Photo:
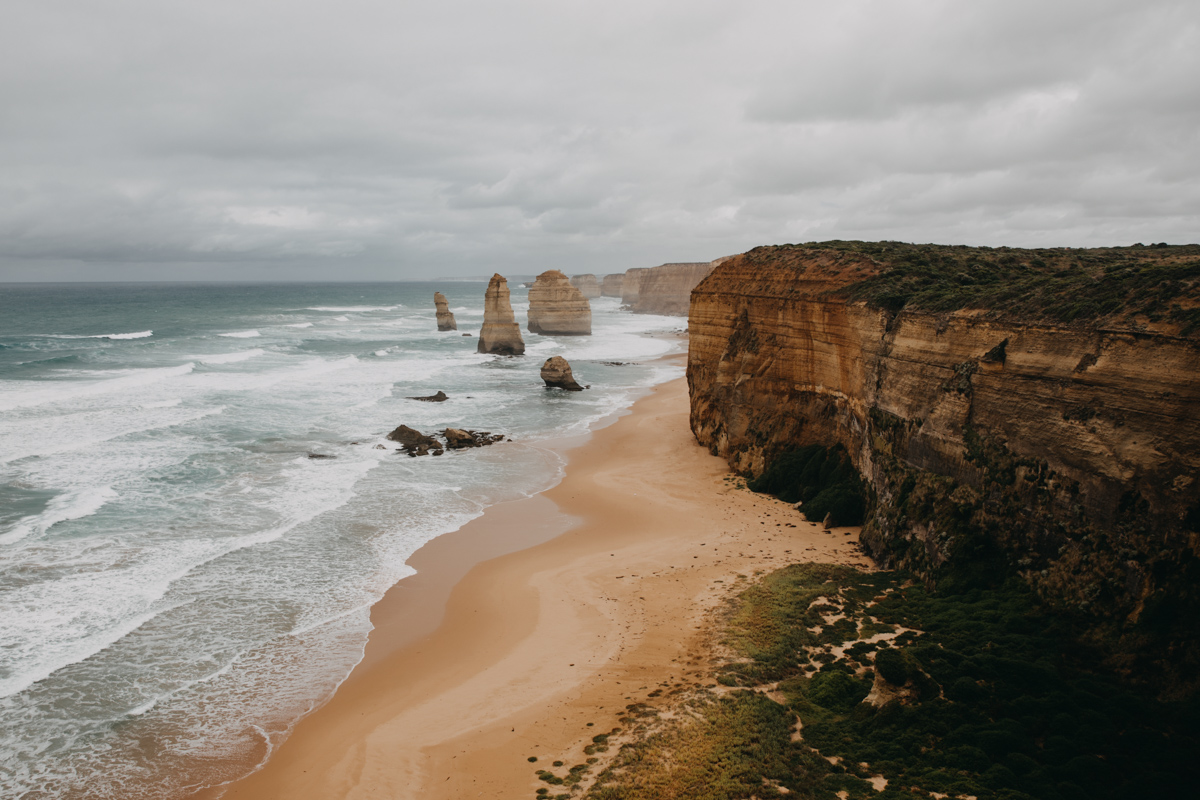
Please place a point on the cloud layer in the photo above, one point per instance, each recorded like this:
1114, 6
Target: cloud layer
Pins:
368, 140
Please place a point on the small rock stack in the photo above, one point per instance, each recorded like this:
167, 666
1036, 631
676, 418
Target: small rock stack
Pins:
445, 319
500, 334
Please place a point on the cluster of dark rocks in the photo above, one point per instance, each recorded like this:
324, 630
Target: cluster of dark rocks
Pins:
415, 443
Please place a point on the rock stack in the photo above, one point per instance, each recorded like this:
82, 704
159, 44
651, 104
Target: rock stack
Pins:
556, 372
500, 334
556, 308
445, 319
588, 285
612, 284
630, 287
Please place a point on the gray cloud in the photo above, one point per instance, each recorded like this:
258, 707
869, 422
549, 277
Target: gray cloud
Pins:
310, 140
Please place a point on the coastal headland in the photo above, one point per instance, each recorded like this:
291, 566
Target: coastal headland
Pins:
481, 662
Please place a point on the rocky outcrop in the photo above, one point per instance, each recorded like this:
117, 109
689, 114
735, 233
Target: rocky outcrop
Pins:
990, 439
500, 334
460, 439
445, 319
667, 289
415, 443
631, 286
556, 372
440, 397
611, 285
587, 284
557, 308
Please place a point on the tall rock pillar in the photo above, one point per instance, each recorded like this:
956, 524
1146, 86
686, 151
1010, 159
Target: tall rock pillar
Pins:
445, 319
500, 334
556, 308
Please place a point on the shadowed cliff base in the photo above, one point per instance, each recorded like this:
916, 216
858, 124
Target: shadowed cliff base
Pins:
1011, 411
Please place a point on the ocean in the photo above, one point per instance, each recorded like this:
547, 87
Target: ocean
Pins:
180, 580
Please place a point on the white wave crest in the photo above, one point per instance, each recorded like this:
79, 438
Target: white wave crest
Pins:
65, 507
230, 358
298, 325
353, 308
26, 394
241, 334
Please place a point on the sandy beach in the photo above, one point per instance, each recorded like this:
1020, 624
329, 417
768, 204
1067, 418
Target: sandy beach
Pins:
542, 616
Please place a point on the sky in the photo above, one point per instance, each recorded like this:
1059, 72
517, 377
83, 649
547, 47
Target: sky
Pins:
406, 139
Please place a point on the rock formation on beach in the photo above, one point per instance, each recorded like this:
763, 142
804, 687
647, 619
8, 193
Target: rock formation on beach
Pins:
414, 442
445, 319
557, 308
1032, 409
459, 438
611, 285
556, 372
587, 284
500, 334
440, 397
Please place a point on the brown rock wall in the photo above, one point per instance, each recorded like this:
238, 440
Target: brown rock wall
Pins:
556, 308
631, 285
587, 284
666, 289
611, 285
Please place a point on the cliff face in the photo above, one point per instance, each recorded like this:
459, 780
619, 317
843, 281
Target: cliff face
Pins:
445, 319
1069, 451
666, 289
587, 284
611, 285
500, 333
556, 308
631, 285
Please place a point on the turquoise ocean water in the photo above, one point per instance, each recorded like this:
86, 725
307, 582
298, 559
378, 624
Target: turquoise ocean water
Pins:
179, 580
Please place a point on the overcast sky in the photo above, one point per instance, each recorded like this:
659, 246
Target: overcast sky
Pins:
402, 139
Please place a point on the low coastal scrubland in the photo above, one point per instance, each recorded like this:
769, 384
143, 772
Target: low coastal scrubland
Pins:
832, 682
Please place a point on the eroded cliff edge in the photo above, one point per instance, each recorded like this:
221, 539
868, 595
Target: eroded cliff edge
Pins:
1010, 410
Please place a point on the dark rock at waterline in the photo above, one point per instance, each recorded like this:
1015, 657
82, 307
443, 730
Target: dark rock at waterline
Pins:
556, 372
414, 442
320, 455
466, 334
440, 397
458, 438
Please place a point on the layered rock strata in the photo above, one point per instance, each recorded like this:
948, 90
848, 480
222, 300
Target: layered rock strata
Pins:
556, 308
631, 286
556, 372
611, 285
667, 289
445, 319
587, 284
1069, 452
500, 334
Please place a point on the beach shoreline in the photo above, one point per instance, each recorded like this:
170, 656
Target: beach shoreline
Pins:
542, 616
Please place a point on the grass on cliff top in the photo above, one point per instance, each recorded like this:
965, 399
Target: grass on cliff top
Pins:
997, 709
1160, 283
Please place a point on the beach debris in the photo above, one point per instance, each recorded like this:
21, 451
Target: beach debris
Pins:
556, 372
828, 523
445, 319
500, 334
459, 438
414, 442
440, 397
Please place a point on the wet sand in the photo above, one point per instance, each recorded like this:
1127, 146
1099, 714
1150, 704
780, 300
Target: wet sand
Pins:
542, 616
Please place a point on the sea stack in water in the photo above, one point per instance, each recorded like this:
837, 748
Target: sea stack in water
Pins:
556, 308
611, 285
588, 285
500, 334
445, 319
556, 372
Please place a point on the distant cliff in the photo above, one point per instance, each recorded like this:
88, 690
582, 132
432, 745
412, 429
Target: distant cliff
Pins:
1025, 410
666, 289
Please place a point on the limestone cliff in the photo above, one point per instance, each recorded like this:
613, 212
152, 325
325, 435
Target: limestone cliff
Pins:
631, 285
500, 333
1034, 410
556, 308
445, 319
587, 284
666, 289
611, 285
